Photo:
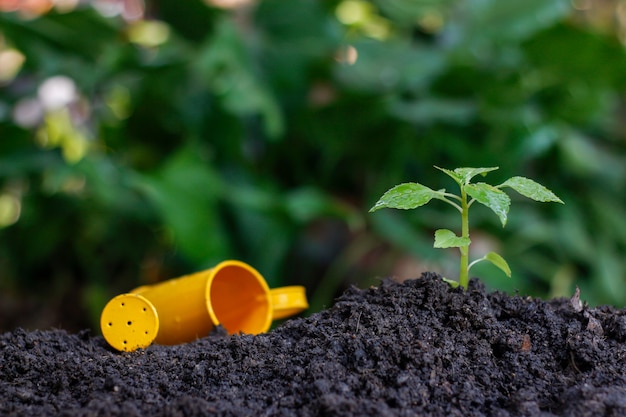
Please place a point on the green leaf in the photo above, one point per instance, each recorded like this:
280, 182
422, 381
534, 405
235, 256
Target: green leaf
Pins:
456, 177
406, 196
452, 283
468, 173
531, 189
498, 261
445, 238
464, 175
492, 197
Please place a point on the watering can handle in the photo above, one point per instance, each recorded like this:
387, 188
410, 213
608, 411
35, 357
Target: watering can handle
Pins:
287, 301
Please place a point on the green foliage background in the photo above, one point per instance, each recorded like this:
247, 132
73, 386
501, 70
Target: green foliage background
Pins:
253, 133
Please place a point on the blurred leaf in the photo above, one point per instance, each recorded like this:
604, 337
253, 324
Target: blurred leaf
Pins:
609, 214
434, 110
27, 161
480, 22
96, 297
306, 204
193, 20
549, 51
409, 11
400, 232
297, 36
251, 197
185, 191
541, 139
391, 65
263, 239
584, 156
610, 271
62, 32
563, 281
226, 65
573, 233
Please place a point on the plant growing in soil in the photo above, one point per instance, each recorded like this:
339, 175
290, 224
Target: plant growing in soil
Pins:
412, 195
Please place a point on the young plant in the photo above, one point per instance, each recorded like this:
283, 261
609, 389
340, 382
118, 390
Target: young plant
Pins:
412, 195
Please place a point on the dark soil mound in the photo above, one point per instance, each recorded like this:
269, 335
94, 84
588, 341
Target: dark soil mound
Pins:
418, 348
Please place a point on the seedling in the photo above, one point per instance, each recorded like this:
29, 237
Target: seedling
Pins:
412, 195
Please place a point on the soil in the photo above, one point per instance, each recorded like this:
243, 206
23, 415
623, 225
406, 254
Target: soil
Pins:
418, 348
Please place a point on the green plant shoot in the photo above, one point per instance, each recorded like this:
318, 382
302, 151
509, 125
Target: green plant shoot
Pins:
412, 195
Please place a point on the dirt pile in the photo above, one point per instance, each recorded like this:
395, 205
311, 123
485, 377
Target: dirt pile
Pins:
417, 348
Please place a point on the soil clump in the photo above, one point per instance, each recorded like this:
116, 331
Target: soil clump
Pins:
419, 348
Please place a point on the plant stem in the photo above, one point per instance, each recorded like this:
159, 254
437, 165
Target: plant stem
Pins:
464, 267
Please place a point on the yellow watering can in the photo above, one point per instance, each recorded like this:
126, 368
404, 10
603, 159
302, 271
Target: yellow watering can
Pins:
180, 310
